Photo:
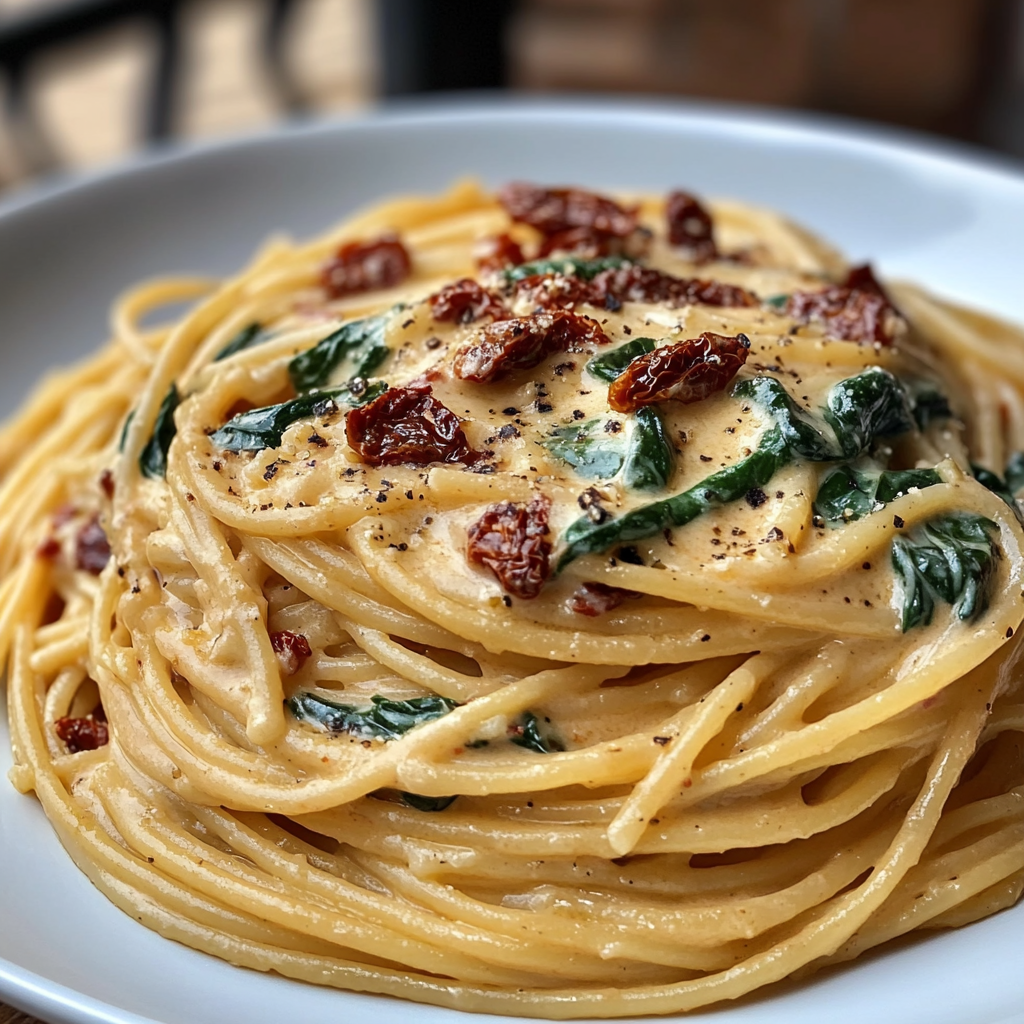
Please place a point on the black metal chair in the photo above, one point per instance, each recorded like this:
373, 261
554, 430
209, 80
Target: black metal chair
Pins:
26, 35
423, 46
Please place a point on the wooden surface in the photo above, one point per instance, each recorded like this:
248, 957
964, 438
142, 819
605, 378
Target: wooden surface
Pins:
9, 1016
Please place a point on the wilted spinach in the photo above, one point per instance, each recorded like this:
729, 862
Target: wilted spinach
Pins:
153, 457
950, 559
847, 493
355, 349
384, 719
261, 428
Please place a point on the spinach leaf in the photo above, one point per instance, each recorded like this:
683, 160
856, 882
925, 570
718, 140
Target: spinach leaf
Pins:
795, 426
994, 482
588, 448
533, 736
1004, 488
153, 457
950, 558
1015, 473
894, 483
650, 456
427, 803
608, 366
248, 336
261, 428
124, 430
358, 345
776, 301
646, 460
567, 265
859, 409
847, 493
384, 719
930, 405
585, 537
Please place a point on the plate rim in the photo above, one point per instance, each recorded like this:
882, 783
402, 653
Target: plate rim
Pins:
50, 999
727, 118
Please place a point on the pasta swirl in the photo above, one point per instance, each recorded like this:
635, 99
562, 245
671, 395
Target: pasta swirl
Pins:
540, 603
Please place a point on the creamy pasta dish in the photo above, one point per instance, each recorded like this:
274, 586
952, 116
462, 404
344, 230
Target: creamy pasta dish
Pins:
541, 603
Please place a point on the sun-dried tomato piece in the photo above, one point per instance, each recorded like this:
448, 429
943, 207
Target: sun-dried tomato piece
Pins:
499, 252
92, 549
593, 599
88, 733
407, 427
510, 539
585, 242
521, 343
366, 266
49, 548
690, 227
64, 514
686, 372
701, 292
633, 284
554, 291
292, 649
465, 301
645, 284
862, 279
847, 314
551, 210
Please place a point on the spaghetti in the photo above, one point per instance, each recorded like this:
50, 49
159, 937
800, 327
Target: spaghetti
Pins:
538, 603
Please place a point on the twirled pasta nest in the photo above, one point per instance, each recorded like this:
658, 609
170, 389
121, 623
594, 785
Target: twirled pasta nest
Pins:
542, 604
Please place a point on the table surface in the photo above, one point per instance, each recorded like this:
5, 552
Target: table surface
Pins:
11, 1016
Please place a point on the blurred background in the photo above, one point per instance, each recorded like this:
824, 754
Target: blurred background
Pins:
86, 82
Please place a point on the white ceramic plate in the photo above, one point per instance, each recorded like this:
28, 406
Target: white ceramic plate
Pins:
950, 219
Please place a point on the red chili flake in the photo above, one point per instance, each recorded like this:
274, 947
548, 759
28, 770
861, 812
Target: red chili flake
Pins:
92, 550
555, 291
510, 539
686, 372
593, 599
689, 226
523, 342
88, 733
107, 483
292, 649
465, 301
407, 427
644, 284
498, 252
552, 210
366, 266
846, 313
